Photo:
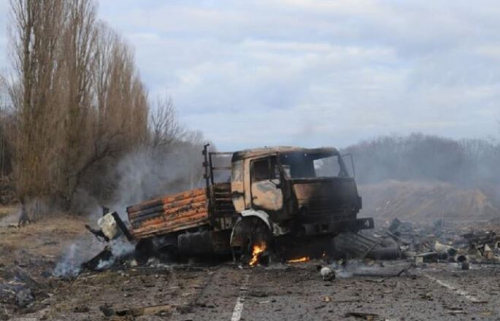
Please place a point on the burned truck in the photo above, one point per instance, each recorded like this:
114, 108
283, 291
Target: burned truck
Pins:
287, 201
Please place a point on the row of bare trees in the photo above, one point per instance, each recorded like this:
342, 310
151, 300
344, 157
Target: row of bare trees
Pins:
75, 102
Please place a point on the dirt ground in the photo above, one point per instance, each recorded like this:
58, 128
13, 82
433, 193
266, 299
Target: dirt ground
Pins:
198, 291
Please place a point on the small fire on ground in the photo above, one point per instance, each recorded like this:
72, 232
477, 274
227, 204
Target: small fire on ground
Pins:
299, 260
257, 251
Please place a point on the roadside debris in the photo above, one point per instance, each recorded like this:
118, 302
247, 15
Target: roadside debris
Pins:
363, 245
20, 289
160, 310
97, 262
327, 274
24, 297
422, 244
362, 315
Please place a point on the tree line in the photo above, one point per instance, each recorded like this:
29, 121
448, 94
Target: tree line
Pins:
427, 157
75, 104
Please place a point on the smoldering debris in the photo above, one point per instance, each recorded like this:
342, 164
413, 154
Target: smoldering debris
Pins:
367, 268
101, 261
118, 252
140, 175
363, 245
422, 244
81, 256
70, 264
405, 249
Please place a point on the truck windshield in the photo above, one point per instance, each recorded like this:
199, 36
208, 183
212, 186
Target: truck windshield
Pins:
303, 165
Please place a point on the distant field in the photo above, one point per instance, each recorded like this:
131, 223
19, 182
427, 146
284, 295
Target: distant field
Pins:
427, 201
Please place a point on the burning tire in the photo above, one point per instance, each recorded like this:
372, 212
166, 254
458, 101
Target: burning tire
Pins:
297, 248
252, 238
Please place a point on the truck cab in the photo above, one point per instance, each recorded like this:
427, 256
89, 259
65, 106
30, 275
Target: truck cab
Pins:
296, 192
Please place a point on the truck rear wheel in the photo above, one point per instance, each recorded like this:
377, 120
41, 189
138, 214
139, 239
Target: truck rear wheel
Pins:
144, 249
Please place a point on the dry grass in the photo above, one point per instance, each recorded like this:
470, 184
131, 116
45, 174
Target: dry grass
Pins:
47, 237
6, 210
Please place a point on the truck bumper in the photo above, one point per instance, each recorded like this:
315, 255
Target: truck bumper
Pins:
338, 227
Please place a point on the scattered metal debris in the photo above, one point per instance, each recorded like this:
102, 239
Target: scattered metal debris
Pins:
327, 274
422, 243
363, 315
160, 310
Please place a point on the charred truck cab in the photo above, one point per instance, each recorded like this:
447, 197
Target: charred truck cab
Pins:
284, 200
303, 196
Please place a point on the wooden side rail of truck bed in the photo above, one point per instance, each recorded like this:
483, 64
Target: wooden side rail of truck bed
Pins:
181, 211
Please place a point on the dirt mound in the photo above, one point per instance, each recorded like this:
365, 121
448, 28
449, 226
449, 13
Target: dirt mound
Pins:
428, 201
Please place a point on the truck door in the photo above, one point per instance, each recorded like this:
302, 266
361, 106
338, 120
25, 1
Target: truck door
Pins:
265, 185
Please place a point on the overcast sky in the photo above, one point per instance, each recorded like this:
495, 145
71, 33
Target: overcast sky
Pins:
316, 72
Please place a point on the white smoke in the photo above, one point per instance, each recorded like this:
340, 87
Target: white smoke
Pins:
85, 249
70, 265
148, 173
121, 247
141, 175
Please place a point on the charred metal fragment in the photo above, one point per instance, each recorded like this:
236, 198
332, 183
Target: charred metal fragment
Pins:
97, 233
122, 226
93, 263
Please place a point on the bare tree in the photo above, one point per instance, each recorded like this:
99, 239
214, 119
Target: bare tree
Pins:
165, 128
35, 35
5, 146
76, 67
77, 97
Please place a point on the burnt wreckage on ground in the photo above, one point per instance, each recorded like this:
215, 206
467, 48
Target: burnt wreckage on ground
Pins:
283, 201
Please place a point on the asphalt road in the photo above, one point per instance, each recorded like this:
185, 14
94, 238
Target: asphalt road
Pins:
436, 292
279, 292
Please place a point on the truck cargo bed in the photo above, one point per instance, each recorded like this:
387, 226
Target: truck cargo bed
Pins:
169, 214
177, 212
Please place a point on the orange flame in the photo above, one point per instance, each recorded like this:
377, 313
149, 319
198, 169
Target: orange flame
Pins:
299, 260
257, 250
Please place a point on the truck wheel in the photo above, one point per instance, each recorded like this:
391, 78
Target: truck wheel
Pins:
251, 232
165, 247
144, 249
